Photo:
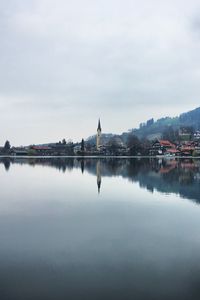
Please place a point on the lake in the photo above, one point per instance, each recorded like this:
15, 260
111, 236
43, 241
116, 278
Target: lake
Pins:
109, 228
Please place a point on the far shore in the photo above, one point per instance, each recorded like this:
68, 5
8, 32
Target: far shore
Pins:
99, 156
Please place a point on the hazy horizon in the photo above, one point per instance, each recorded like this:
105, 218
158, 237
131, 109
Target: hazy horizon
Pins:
64, 65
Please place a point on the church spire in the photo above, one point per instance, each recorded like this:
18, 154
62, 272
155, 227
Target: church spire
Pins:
99, 126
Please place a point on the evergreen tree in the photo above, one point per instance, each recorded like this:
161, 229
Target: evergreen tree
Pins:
7, 147
134, 145
64, 142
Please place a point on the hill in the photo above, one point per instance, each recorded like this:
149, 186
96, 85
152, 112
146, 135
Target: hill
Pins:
155, 129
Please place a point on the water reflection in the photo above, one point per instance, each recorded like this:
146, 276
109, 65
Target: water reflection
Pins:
98, 170
6, 162
179, 176
59, 240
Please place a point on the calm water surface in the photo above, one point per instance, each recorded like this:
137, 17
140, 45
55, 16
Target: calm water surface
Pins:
99, 229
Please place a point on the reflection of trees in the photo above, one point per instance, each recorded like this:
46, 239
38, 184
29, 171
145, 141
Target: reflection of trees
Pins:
136, 166
6, 162
167, 176
61, 164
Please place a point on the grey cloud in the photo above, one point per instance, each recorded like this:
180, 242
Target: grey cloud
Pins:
70, 61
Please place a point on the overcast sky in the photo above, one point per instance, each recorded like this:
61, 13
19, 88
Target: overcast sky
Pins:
64, 64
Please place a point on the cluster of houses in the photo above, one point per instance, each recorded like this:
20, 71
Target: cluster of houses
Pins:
54, 149
165, 147
157, 148
187, 144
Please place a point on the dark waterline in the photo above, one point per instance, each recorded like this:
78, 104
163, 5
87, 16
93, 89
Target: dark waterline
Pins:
74, 228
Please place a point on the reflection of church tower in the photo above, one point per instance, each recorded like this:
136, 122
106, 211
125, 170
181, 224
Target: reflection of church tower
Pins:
98, 170
98, 143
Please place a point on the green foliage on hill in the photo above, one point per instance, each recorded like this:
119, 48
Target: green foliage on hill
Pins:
152, 130
157, 128
191, 118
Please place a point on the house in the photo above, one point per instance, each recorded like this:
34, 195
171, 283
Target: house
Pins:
41, 150
185, 133
188, 148
19, 151
160, 147
172, 152
197, 135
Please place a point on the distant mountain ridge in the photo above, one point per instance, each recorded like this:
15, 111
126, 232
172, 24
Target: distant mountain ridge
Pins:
154, 129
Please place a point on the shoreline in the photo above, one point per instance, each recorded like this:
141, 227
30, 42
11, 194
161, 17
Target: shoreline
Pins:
99, 156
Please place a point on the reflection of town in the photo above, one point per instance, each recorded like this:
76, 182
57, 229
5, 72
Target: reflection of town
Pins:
180, 176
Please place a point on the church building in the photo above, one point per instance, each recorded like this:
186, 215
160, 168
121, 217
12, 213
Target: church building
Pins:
98, 140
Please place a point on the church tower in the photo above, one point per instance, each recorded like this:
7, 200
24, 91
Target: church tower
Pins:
98, 142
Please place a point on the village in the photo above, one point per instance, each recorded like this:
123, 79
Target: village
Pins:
187, 144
